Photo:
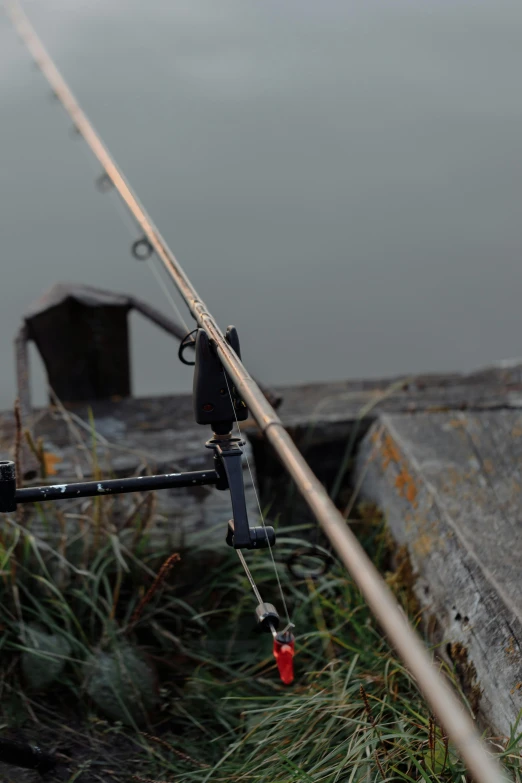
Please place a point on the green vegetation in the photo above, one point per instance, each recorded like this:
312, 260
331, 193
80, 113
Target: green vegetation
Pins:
132, 677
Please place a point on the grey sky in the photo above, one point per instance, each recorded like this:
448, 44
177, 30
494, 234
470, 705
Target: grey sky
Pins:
341, 180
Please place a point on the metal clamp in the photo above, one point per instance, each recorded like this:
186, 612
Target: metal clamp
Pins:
227, 458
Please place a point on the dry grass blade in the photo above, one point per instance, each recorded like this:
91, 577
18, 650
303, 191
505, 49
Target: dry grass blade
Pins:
18, 441
148, 780
178, 753
158, 582
355, 494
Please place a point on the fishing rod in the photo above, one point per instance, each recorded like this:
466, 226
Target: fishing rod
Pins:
244, 393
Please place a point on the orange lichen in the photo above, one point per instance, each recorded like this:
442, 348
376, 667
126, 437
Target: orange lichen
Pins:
405, 485
389, 451
404, 482
411, 492
488, 466
423, 545
517, 687
375, 436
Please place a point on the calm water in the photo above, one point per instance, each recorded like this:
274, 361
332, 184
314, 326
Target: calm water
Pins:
342, 180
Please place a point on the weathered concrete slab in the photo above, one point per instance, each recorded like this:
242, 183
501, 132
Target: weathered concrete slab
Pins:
159, 434
326, 419
495, 387
450, 486
129, 437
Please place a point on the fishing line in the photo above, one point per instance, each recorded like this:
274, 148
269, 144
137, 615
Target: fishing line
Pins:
248, 573
161, 283
106, 188
281, 593
132, 227
155, 272
109, 192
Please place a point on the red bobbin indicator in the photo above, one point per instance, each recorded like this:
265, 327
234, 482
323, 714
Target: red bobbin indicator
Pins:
284, 649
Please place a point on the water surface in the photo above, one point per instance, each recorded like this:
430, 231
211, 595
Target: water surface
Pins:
341, 180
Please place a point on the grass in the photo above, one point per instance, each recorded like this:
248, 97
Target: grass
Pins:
131, 676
